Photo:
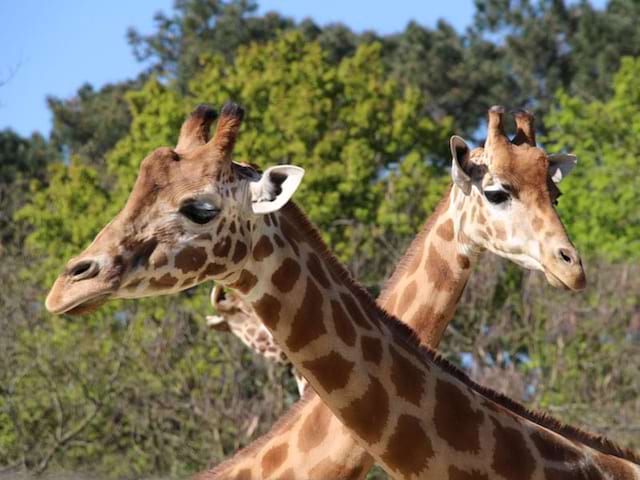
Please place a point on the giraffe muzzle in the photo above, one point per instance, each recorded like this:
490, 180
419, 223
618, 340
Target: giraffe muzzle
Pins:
83, 286
564, 269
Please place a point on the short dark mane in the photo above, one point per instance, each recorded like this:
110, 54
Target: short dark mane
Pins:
406, 334
415, 245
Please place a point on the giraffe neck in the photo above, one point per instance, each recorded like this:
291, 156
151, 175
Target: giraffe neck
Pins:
319, 446
426, 287
402, 403
428, 312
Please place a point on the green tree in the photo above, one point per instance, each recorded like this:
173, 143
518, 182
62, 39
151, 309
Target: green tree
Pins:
457, 77
21, 160
202, 26
546, 45
602, 195
88, 124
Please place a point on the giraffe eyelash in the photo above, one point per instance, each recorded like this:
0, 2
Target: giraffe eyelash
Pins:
496, 196
199, 212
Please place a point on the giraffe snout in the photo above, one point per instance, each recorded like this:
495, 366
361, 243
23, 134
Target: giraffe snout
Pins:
84, 285
565, 269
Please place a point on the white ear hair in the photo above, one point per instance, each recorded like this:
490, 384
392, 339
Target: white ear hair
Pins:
459, 155
276, 186
560, 165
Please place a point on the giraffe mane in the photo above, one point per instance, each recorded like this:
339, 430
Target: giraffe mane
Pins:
408, 336
412, 251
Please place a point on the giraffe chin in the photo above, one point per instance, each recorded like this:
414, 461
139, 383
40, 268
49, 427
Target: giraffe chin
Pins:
88, 306
556, 282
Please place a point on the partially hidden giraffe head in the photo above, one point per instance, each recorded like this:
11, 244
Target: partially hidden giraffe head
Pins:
507, 191
188, 219
230, 306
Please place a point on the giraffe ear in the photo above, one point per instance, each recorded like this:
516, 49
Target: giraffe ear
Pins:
276, 186
460, 159
560, 165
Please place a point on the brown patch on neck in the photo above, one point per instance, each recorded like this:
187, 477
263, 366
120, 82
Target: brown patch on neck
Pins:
246, 281
343, 325
308, 323
367, 415
407, 298
285, 424
315, 428
510, 444
263, 248
445, 230
332, 371
455, 420
439, 271
371, 349
554, 450
268, 309
408, 379
409, 448
355, 312
273, 459
286, 276
315, 268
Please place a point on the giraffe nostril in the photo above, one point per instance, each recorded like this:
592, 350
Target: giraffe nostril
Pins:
83, 270
566, 256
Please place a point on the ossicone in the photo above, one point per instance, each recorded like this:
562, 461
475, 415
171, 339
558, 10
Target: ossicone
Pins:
195, 129
227, 129
525, 128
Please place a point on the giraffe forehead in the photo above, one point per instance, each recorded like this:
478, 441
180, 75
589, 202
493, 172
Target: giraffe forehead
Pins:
165, 175
522, 167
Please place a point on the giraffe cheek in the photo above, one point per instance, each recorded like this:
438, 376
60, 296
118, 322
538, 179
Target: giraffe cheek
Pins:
239, 252
158, 259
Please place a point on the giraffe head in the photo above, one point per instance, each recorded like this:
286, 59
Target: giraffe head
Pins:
506, 192
189, 218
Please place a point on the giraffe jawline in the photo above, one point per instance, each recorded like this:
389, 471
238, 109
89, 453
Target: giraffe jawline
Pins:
556, 282
88, 306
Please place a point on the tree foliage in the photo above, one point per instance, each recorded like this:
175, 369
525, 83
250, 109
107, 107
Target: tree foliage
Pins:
604, 135
140, 388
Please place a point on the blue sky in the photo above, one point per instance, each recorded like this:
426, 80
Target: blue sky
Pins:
52, 48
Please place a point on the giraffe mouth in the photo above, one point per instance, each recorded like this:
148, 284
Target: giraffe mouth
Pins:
574, 284
57, 304
88, 306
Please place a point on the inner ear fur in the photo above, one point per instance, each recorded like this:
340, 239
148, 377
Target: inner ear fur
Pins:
460, 164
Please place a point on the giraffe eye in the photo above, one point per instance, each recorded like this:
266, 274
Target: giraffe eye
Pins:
496, 196
199, 212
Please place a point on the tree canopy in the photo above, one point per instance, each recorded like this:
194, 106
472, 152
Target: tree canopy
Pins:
141, 388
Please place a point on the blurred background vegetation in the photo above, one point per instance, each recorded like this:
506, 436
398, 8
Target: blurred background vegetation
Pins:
142, 389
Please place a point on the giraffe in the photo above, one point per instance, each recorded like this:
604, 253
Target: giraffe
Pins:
194, 215
239, 318
449, 231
